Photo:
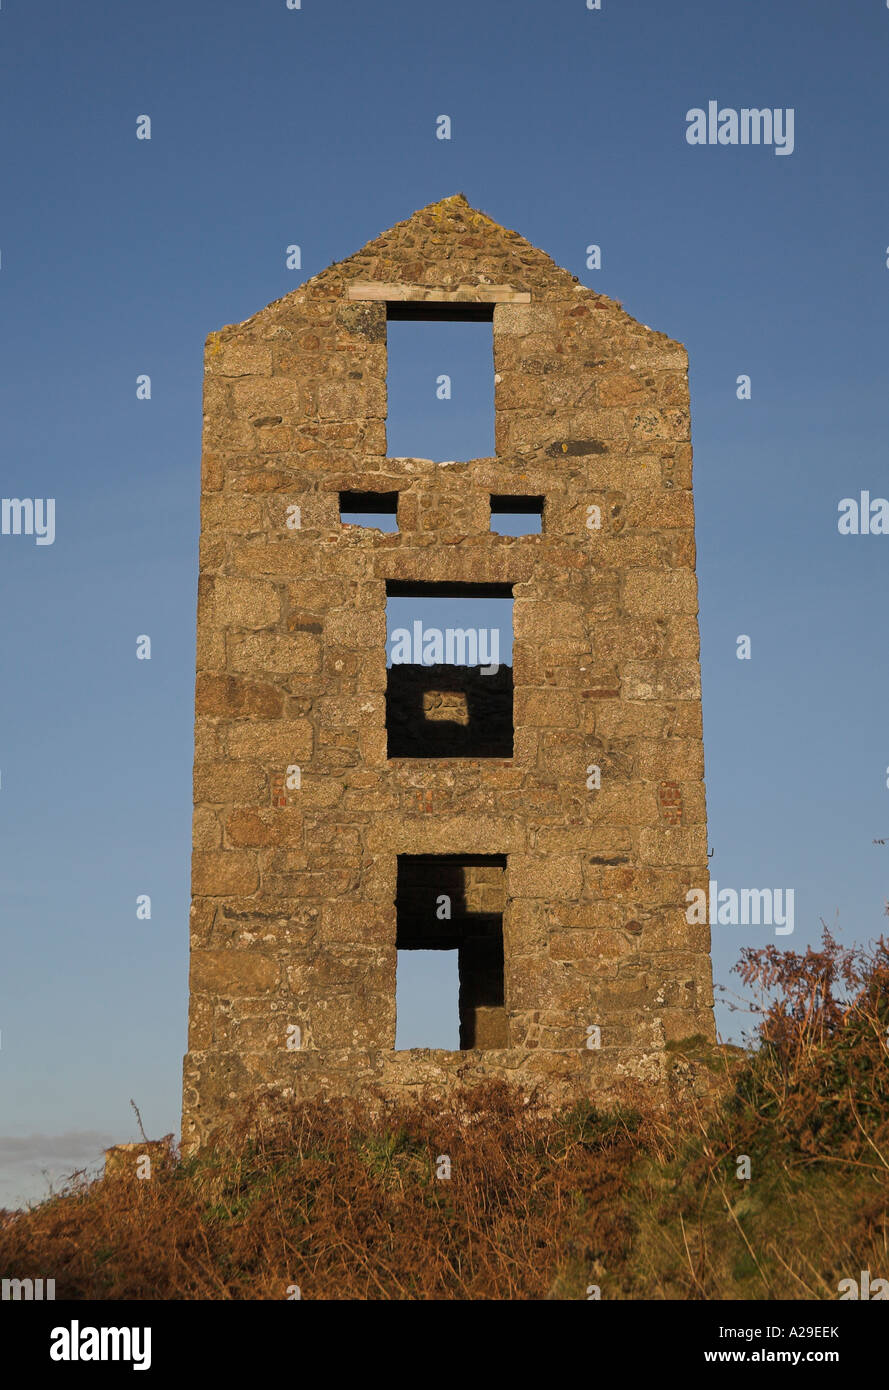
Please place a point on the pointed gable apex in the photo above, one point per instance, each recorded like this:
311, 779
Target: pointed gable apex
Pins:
446, 251
463, 248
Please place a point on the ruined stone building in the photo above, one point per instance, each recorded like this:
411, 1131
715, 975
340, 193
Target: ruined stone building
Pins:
557, 804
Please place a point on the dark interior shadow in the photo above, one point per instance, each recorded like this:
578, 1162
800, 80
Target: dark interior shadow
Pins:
477, 723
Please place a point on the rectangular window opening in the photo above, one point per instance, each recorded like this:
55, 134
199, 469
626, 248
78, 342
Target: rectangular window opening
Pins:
440, 391
516, 515
449, 941
373, 509
449, 686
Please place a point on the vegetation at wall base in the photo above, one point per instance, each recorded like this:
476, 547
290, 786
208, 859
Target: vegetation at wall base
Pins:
345, 1201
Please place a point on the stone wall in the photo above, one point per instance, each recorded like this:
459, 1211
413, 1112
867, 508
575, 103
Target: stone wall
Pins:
294, 887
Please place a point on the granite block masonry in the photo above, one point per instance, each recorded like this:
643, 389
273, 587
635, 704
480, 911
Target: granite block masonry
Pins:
546, 821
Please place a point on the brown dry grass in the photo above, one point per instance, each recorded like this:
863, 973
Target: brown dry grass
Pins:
346, 1204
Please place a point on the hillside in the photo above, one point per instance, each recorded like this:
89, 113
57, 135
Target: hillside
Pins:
345, 1204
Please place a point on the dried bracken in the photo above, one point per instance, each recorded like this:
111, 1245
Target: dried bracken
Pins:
492, 1197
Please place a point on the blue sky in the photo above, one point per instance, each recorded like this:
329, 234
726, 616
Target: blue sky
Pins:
317, 127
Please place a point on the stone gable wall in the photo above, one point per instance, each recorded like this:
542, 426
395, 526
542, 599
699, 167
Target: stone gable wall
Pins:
293, 917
